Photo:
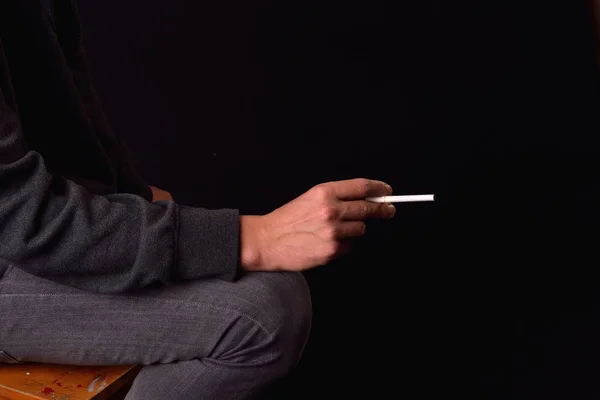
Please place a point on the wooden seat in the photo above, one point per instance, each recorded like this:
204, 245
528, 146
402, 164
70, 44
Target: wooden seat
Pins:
64, 382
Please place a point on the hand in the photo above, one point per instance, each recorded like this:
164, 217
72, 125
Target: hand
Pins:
159, 194
313, 229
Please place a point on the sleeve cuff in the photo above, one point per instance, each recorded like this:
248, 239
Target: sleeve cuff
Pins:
207, 244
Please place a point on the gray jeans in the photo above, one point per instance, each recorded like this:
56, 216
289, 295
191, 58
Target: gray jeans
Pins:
197, 340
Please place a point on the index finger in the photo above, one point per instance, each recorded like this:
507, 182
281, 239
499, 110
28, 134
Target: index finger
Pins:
360, 188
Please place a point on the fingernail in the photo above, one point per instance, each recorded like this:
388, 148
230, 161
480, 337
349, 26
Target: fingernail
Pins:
391, 210
389, 188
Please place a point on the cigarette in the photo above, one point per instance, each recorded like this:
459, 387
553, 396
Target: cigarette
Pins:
402, 199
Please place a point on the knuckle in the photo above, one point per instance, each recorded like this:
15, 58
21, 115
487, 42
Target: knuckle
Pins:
321, 192
331, 233
366, 210
329, 213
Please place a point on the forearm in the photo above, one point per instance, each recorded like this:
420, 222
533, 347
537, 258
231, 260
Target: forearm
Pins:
54, 228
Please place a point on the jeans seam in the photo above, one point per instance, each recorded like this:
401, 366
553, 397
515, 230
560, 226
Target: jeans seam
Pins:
172, 301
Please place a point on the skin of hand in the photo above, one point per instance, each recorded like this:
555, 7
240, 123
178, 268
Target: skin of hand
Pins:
313, 229
159, 194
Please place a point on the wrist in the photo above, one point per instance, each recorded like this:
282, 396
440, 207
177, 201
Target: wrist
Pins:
251, 243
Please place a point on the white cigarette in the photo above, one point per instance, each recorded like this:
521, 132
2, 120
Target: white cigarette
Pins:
402, 199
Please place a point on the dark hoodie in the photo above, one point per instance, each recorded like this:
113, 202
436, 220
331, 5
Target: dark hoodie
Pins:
72, 208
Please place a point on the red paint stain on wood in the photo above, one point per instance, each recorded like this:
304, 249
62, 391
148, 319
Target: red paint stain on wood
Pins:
79, 385
60, 377
47, 390
59, 384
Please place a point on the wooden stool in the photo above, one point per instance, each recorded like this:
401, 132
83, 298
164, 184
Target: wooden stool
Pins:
64, 382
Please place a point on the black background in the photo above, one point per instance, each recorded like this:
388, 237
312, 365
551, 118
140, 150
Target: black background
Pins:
493, 106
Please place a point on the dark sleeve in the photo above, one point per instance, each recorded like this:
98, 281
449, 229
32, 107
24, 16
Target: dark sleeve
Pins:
56, 229
68, 28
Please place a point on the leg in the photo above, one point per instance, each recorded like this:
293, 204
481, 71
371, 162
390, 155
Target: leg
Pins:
197, 340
